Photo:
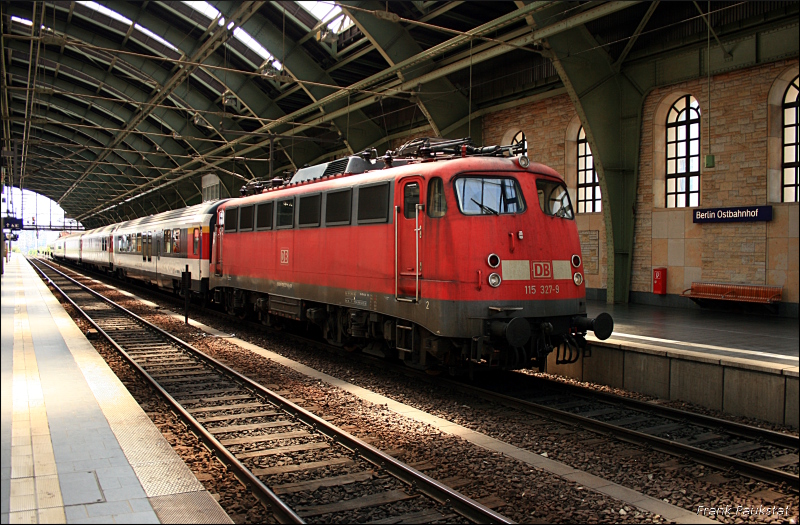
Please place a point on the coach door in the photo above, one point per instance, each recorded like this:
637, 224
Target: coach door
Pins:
217, 243
408, 238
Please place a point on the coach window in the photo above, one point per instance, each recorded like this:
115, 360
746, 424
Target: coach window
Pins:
167, 241
264, 216
683, 153
437, 204
337, 207
176, 247
309, 212
138, 243
373, 203
196, 243
286, 213
231, 218
246, 218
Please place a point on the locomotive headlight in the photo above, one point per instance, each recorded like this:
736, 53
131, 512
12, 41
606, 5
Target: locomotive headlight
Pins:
576, 261
493, 260
523, 161
494, 280
577, 278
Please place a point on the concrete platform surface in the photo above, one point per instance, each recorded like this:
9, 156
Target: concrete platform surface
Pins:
75, 446
762, 338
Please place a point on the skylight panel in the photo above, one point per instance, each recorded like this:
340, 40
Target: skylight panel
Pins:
327, 12
106, 11
204, 8
21, 20
155, 36
116, 16
239, 34
243, 37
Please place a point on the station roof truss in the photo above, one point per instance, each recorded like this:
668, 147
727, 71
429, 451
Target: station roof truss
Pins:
117, 110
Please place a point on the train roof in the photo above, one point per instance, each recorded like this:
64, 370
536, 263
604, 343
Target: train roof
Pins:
455, 159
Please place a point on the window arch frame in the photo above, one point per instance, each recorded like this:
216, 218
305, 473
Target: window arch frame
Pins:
682, 153
591, 188
790, 145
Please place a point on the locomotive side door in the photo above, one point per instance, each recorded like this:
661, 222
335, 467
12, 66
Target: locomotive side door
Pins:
409, 209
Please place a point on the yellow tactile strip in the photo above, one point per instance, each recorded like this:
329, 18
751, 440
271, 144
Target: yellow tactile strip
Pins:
35, 492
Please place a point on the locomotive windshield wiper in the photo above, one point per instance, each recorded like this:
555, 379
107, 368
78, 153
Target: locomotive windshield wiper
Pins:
485, 208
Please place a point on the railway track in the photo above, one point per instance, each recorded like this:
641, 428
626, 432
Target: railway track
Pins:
757, 453
280, 451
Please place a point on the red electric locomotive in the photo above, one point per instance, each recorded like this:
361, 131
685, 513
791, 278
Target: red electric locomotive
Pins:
441, 254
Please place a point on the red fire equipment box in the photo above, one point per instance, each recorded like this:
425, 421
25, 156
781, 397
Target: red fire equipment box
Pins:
660, 281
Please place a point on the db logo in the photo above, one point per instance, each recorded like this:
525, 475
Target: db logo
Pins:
284, 256
542, 270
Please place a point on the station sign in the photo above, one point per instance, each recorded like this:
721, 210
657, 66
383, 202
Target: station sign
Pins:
12, 223
735, 214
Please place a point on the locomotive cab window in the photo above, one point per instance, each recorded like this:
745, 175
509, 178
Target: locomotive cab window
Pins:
309, 212
246, 218
286, 213
554, 199
410, 200
264, 216
437, 204
231, 219
489, 196
373, 203
337, 207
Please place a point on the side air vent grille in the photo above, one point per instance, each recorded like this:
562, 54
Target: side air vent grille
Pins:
336, 167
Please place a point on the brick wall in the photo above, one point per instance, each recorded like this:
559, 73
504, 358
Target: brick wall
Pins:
753, 253
757, 253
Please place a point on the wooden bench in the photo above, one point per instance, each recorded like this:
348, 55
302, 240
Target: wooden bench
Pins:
746, 293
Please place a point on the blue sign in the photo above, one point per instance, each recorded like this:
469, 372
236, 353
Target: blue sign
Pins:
737, 214
12, 223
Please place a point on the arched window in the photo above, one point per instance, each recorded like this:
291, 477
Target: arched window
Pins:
791, 143
683, 153
520, 144
589, 200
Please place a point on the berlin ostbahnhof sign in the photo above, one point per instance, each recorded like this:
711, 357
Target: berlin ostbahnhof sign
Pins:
736, 214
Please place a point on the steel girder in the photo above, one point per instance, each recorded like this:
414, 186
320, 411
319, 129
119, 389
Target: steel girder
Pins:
439, 100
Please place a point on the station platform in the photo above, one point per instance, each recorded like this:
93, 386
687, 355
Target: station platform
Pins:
741, 364
75, 446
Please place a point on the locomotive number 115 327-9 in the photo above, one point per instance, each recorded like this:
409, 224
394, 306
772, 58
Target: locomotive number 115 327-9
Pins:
543, 289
